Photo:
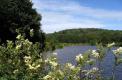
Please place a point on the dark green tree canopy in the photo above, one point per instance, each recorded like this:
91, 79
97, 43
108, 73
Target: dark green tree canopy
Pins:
89, 36
19, 14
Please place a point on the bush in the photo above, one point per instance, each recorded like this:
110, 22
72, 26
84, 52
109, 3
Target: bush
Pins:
23, 61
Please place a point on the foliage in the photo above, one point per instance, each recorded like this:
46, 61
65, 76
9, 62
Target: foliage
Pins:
88, 36
91, 58
23, 61
20, 61
19, 14
51, 44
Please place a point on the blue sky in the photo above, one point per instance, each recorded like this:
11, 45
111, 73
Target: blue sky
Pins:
67, 14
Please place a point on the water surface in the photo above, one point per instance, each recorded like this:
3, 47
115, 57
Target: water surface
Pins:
67, 54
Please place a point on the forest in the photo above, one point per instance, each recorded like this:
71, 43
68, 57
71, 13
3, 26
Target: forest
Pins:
89, 36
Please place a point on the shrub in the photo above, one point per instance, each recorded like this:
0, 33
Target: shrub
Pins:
24, 61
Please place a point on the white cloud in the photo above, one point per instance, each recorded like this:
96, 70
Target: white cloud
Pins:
56, 27
55, 22
62, 15
70, 7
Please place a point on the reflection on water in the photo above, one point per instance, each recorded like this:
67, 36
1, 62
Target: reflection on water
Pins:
68, 54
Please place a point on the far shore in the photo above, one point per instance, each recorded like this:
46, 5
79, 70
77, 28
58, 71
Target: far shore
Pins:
61, 45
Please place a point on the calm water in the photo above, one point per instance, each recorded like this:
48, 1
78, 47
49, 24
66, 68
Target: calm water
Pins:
67, 54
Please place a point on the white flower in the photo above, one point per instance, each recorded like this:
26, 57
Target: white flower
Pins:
118, 51
30, 66
33, 67
54, 59
18, 37
46, 61
27, 59
95, 69
31, 32
53, 63
110, 45
91, 71
18, 47
115, 51
37, 66
55, 53
47, 77
79, 57
15, 71
28, 42
95, 53
84, 71
69, 65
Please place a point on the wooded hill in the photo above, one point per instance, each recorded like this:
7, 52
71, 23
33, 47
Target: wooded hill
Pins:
87, 35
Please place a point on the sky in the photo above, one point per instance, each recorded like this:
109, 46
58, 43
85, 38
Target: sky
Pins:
59, 15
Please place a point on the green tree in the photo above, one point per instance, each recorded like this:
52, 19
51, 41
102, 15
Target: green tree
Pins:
19, 14
89, 36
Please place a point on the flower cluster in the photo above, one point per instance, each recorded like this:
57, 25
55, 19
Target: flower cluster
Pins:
52, 62
29, 63
92, 72
118, 51
95, 54
79, 57
70, 66
24, 57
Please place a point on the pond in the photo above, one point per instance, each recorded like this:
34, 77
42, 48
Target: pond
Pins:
67, 54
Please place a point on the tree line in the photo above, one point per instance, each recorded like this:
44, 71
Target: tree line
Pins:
87, 35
